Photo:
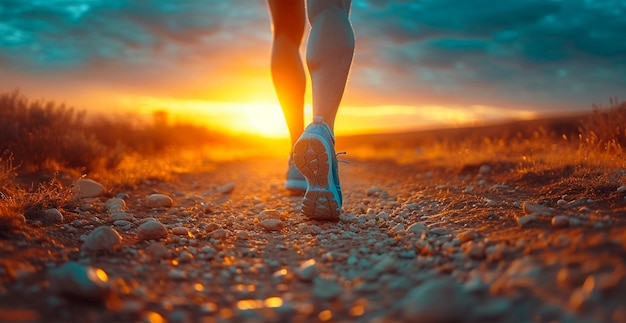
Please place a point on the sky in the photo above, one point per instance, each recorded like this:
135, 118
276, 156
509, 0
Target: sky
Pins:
417, 64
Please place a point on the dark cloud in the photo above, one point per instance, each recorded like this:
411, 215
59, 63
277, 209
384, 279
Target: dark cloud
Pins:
531, 52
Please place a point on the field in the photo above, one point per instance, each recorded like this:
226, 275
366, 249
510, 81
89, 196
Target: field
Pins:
515, 222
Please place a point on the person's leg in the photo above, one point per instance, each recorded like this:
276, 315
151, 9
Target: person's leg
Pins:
286, 64
329, 54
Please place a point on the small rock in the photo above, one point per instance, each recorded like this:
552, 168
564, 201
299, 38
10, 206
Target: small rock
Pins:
474, 250
484, 169
122, 223
180, 231
103, 238
530, 208
53, 216
75, 280
159, 200
152, 230
573, 222
219, 234
269, 214
465, 236
115, 205
120, 216
416, 228
157, 251
325, 289
437, 300
272, 224
621, 189
561, 203
87, 188
226, 188
523, 220
560, 221
307, 270
242, 235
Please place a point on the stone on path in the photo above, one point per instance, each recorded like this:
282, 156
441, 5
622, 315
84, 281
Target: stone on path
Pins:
325, 289
120, 216
159, 200
523, 220
438, 300
152, 230
269, 214
88, 188
157, 251
226, 188
530, 208
272, 224
115, 205
180, 231
307, 270
53, 215
560, 221
417, 229
74, 279
465, 236
103, 238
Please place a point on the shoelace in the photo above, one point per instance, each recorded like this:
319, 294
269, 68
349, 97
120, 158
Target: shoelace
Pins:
342, 160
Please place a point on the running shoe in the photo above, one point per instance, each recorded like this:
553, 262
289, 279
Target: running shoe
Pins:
295, 183
314, 155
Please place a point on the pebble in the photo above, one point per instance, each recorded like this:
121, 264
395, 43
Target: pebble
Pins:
474, 250
484, 169
417, 228
219, 234
74, 279
122, 223
157, 251
560, 221
159, 200
180, 231
307, 270
465, 236
53, 215
152, 230
523, 220
226, 188
87, 188
530, 208
115, 205
325, 289
437, 300
120, 216
103, 238
269, 214
561, 203
621, 189
272, 224
242, 235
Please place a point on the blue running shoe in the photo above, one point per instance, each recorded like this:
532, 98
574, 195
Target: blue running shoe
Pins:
295, 183
314, 155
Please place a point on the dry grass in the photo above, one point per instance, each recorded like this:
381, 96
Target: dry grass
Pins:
46, 137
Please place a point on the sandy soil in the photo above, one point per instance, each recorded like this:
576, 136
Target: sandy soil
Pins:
416, 242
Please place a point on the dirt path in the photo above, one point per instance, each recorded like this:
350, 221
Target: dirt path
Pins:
415, 243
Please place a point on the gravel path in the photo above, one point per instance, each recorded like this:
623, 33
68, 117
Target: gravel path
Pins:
415, 243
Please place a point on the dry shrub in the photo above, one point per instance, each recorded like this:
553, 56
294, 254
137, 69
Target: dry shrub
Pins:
605, 129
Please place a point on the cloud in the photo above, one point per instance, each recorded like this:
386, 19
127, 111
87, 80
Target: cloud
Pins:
537, 54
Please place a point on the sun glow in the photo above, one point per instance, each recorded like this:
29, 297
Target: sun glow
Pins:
264, 119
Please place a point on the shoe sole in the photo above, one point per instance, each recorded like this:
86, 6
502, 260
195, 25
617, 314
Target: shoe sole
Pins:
311, 158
